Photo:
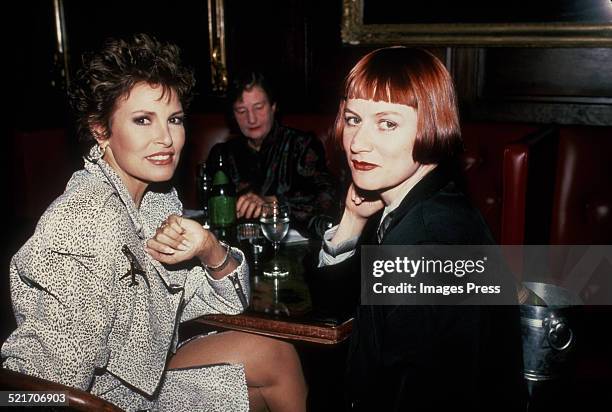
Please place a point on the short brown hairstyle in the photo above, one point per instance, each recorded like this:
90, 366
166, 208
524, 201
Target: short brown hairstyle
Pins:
245, 82
113, 72
415, 78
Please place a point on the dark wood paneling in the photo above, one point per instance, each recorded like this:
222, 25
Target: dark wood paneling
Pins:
269, 36
477, 11
298, 42
543, 85
182, 22
569, 75
36, 98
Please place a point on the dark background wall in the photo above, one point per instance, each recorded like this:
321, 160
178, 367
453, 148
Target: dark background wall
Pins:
542, 85
298, 43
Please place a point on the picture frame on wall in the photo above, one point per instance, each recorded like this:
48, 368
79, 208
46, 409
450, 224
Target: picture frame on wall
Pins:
518, 23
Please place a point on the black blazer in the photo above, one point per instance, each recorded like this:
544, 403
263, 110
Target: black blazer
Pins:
434, 357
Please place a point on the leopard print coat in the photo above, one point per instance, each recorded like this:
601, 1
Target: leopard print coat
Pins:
96, 312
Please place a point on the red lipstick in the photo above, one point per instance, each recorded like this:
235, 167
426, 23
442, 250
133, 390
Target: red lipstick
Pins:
365, 166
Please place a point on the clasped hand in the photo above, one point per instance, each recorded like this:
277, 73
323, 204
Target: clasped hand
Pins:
179, 239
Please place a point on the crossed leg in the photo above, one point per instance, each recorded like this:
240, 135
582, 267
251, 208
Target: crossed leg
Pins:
272, 367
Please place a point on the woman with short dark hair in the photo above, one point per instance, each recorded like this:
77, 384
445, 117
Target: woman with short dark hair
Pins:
112, 268
270, 162
399, 127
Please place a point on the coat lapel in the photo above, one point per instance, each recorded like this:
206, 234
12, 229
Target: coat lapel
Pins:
143, 222
429, 185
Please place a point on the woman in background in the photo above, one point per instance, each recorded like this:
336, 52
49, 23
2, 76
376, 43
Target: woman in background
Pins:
271, 162
399, 127
98, 291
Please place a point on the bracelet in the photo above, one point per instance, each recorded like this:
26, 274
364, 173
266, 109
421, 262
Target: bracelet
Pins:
223, 262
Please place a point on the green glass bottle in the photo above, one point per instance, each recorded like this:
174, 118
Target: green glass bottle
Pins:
222, 201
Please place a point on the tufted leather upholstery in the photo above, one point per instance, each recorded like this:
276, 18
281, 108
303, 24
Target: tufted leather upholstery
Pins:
504, 166
582, 212
582, 215
495, 172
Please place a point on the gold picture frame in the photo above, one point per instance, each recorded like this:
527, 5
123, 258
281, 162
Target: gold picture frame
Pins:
216, 46
555, 34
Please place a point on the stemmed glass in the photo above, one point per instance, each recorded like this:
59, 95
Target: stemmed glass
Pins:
274, 221
251, 241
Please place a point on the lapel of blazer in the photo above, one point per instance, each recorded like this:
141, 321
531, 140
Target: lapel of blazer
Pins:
97, 166
429, 185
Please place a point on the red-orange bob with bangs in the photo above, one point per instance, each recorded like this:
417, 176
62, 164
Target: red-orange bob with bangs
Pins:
418, 79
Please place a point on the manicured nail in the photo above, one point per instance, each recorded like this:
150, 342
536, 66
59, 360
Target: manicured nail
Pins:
168, 250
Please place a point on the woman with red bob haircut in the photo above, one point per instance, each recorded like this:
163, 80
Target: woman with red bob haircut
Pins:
424, 84
399, 127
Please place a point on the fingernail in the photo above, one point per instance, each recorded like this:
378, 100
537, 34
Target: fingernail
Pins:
186, 243
168, 250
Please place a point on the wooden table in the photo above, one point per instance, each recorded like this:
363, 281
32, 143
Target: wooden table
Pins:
281, 307
291, 329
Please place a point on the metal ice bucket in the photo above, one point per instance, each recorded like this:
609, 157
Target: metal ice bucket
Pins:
548, 337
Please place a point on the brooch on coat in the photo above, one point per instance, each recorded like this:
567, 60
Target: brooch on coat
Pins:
135, 268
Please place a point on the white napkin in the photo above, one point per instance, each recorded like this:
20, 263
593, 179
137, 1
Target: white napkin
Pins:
293, 237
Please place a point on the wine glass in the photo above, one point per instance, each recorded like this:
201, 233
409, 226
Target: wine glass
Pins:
251, 241
277, 307
274, 219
